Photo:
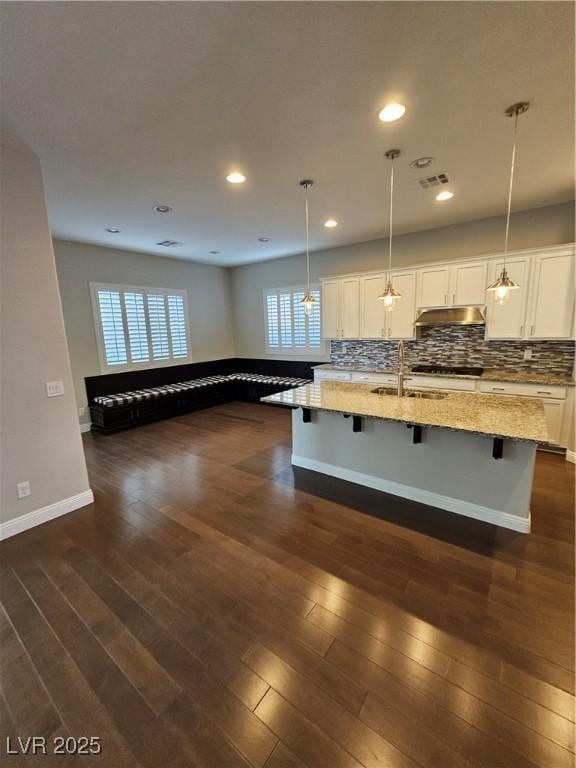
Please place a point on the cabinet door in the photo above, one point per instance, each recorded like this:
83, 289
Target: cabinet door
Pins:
554, 411
434, 287
469, 284
330, 309
372, 324
507, 321
400, 322
552, 315
350, 308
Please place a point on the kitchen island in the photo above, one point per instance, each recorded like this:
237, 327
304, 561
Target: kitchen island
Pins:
470, 454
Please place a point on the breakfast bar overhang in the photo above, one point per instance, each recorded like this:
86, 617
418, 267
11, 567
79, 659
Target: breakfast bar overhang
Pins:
466, 453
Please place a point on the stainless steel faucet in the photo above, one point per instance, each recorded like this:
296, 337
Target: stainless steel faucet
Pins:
401, 368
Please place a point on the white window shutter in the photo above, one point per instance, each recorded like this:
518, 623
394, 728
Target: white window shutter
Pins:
112, 327
288, 328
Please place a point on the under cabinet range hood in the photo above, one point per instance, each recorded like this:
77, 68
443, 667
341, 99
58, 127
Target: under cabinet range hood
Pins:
450, 316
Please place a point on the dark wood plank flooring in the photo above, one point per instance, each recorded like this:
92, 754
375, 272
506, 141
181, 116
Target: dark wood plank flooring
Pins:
216, 608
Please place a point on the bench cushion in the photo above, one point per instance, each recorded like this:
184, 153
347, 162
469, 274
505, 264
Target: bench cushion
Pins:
139, 395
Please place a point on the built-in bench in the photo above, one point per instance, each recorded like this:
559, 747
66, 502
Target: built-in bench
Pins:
120, 401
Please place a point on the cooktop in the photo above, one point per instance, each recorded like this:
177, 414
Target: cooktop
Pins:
456, 370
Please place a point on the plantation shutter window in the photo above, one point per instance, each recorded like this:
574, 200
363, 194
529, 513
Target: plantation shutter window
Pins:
140, 327
288, 328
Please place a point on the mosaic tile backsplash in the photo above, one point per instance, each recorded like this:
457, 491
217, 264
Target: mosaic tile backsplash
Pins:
459, 345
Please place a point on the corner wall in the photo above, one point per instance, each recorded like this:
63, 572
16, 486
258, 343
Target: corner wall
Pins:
529, 229
40, 440
209, 305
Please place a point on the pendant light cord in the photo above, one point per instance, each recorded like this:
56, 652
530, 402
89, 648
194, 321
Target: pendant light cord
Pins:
510, 188
391, 199
307, 240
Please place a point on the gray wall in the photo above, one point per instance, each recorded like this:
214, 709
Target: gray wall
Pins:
40, 438
209, 306
529, 229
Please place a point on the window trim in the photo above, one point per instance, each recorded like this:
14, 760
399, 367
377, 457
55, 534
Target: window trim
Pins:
306, 352
106, 368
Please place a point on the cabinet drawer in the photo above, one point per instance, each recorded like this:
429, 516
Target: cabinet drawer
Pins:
374, 378
522, 390
439, 382
331, 376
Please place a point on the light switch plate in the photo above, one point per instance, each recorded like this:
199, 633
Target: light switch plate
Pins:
54, 388
23, 489
528, 354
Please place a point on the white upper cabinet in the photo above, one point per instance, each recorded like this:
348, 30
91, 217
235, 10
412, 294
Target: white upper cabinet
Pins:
461, 285
507, 321
372, 321
552, 296
468, 284
331, 309
400, 322
341, 308
541, 308
350, 308
434, 286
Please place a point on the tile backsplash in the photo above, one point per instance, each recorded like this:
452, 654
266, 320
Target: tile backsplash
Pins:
459, 345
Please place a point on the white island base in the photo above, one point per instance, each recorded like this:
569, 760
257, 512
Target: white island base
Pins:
449, 470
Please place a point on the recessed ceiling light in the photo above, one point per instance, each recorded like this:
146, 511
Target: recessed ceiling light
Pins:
391, 112
445, 195
330, 223
113, 230
422, 162
263, 239
236, 178
214, 253
162, 209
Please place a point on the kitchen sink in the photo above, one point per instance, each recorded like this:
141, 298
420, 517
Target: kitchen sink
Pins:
426, 395
410, 393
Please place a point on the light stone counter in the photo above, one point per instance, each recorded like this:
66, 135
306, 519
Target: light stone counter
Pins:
489, 374
513, 418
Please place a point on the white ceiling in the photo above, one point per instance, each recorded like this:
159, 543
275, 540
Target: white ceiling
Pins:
131, 104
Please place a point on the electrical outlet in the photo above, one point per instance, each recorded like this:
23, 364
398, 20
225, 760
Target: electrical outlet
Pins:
527, 354
23, 489
54, 388
82, 411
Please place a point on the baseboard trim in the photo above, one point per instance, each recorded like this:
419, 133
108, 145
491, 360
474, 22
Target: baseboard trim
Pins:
431, 499
44, 514
85, 427
571, 456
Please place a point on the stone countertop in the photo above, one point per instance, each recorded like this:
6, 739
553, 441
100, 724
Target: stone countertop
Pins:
489, 374
514, 418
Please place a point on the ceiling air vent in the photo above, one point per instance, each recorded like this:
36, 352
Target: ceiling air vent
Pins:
428, 182
170, 243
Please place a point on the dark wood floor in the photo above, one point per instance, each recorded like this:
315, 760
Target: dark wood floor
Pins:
214, 608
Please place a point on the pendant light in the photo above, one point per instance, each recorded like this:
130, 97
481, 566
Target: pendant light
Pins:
390, 295
503, 285
308, 301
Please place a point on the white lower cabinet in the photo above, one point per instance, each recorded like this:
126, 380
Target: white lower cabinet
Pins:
552, 396
554, 410
328, 375
441, 383
375, 378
